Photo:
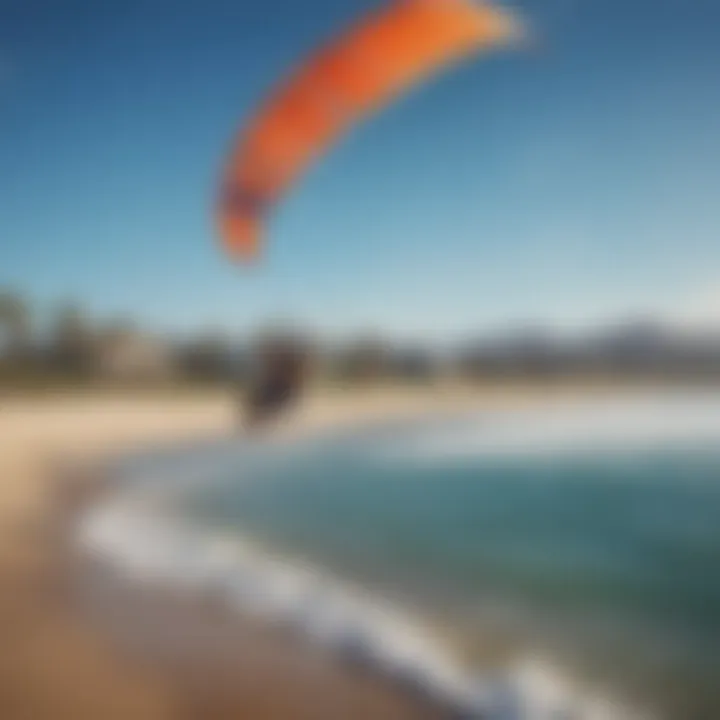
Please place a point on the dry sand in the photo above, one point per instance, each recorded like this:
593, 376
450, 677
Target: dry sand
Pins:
58, 663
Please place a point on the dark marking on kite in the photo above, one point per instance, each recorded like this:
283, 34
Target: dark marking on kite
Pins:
243, 202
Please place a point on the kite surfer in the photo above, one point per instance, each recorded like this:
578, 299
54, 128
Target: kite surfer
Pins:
275, 385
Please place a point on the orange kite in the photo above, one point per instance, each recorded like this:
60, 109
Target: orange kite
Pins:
376, 60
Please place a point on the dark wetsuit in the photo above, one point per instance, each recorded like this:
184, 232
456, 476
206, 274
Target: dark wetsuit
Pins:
278, 388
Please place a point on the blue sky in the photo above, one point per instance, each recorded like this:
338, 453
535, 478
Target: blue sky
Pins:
569, 182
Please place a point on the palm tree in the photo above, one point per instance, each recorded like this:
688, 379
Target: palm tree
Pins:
73, 339
14, 323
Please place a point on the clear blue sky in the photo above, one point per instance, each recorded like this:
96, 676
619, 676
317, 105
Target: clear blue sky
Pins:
569, 182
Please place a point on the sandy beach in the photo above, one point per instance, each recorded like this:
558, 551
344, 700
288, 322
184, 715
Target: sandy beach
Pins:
65, 663
62, 663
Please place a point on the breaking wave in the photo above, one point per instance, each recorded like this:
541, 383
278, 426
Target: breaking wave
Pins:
129, 533
658, 421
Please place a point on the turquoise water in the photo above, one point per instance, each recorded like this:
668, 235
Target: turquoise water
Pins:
602, 558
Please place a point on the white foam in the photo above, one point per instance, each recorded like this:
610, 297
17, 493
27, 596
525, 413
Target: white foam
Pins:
671, 421
147, 546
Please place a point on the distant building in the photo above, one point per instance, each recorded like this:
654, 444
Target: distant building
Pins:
129, 355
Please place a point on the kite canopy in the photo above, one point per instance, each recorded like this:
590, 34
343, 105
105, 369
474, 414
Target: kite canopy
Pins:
356, 74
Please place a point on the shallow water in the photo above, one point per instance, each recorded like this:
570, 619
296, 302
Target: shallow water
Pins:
587, 536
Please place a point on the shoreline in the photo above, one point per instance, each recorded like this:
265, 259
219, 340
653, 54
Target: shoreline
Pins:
71, 663
64, 665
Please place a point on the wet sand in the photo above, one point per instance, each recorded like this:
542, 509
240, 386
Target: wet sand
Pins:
77, 645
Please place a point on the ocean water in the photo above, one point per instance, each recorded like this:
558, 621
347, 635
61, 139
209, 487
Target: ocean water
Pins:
551, 563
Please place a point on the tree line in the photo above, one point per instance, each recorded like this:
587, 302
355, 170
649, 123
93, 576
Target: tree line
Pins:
66, 344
